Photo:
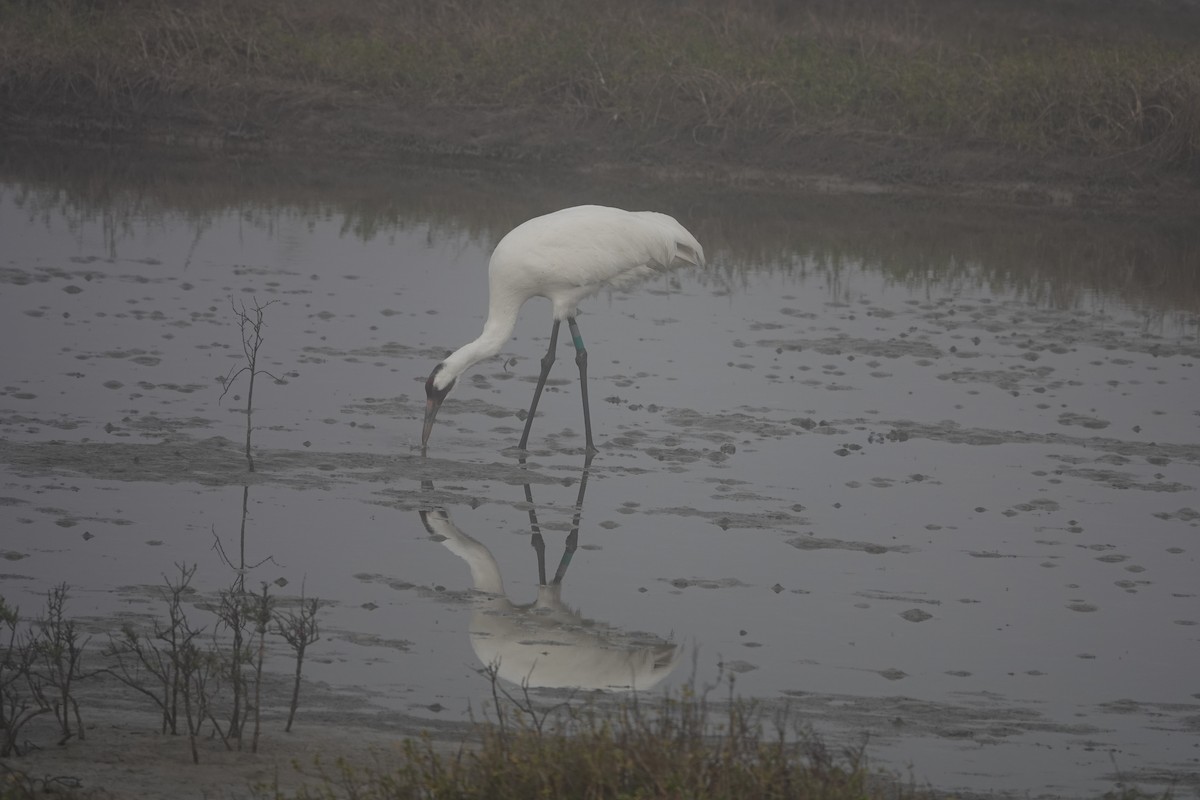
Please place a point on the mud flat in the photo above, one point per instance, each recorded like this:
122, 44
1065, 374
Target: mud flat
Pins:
921, 471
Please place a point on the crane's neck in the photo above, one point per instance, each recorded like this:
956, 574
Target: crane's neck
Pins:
502, 318
485, 572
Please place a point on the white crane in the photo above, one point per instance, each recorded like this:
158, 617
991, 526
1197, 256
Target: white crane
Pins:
565, 256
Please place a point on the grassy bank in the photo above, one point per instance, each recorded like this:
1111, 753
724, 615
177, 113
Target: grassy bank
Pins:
1114, 86
744, 82
683, 747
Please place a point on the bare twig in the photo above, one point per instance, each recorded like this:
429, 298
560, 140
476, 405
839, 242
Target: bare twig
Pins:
250, 324
21, 697
159, 653
262, 608
58, 655
300, 630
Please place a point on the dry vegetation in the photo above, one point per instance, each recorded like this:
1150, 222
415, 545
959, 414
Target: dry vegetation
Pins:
774, 85
684, 745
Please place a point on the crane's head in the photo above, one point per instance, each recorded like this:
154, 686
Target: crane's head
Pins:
433, 399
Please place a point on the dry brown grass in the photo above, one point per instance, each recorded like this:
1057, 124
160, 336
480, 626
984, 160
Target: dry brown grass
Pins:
1096, 80
676, 747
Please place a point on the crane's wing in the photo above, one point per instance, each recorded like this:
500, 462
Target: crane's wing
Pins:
573, 252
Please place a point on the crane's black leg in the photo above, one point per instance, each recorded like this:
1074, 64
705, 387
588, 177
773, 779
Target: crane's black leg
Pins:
547, 362
581, 361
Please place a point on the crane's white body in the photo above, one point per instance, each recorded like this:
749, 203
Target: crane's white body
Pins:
567, 256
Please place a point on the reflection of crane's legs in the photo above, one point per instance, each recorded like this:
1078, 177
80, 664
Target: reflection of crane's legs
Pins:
572, 543
581, 361
539, 544
573, 537
568, 553
547, 362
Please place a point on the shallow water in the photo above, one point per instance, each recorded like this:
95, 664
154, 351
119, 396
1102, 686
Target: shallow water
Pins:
925, 472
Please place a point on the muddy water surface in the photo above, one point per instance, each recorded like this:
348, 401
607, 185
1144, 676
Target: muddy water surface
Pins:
927, 473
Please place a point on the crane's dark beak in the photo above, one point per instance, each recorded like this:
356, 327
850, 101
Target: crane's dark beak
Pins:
431, 408
434, 397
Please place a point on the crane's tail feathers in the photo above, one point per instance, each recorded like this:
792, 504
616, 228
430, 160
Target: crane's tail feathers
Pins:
681, 245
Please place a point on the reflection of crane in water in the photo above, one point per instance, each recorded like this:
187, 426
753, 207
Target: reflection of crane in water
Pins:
565, 256
546, 643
